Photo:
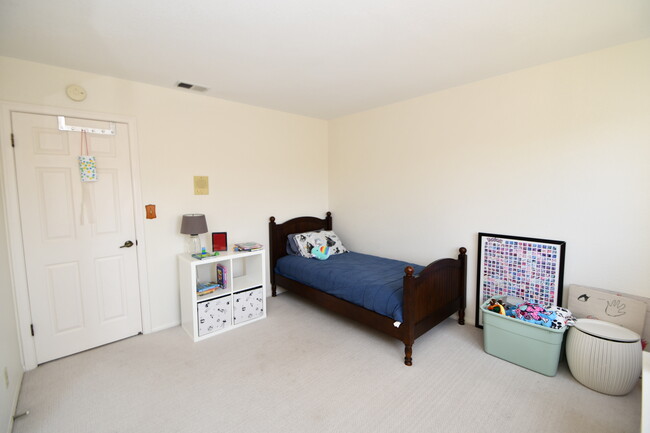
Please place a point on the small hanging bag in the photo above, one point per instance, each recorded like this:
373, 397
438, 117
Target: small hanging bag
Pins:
87, 164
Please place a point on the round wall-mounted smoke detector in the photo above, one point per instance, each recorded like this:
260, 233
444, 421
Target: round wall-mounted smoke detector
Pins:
76, 92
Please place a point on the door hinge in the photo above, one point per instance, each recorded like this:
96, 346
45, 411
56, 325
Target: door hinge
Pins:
136, 242
31, 327
13, 143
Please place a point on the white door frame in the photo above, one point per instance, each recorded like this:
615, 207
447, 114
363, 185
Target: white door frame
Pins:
13, 224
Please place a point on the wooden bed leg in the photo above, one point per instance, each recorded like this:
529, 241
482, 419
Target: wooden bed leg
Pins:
461, 316
408, 352
273, 291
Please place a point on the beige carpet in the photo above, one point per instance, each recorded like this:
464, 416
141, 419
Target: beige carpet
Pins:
305, 370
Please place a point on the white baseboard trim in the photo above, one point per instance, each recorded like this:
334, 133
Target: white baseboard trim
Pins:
163, 327
14, 404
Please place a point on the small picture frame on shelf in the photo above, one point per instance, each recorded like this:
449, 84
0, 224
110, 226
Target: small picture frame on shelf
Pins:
219, 241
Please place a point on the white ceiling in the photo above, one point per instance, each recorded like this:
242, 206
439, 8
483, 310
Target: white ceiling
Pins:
319, 58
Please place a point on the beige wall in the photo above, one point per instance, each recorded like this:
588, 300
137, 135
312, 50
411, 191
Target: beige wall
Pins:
183, 134
559, 151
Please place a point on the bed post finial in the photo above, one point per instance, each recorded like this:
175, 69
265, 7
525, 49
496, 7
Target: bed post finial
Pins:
272, 219
462, 250
409, 271
329, 214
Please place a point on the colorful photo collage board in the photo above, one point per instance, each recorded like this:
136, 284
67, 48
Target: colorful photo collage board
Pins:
526, 268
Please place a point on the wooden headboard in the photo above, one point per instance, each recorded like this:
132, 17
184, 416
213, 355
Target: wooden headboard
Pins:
278, 234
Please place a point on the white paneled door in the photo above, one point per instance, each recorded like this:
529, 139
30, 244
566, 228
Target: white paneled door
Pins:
82, 275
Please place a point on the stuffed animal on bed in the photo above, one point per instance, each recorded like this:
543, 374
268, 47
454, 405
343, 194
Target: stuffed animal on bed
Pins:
321, 253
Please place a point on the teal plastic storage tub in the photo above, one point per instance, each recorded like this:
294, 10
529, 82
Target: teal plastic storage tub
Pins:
531, 346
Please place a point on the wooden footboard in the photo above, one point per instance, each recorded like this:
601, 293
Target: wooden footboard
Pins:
429, 297
433, 295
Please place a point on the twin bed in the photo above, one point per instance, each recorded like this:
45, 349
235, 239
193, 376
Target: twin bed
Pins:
397, 298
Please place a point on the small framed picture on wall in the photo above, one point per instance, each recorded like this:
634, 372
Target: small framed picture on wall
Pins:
219, 241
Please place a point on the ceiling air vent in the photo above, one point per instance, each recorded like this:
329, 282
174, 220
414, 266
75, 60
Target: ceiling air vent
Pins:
191, 87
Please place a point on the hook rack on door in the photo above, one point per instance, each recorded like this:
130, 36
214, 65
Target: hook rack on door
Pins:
64, 127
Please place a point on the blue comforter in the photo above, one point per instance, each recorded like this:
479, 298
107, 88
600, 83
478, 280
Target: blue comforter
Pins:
374, 283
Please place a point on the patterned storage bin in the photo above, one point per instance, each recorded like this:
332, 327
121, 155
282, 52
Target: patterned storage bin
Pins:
214, 315
248, 305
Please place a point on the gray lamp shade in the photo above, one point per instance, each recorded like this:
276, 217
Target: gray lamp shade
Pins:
194, 224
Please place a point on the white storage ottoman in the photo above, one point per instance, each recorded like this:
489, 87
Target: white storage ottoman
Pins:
604, 356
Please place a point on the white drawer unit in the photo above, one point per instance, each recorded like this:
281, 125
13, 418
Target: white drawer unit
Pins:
248, 305
242, 300
214, 315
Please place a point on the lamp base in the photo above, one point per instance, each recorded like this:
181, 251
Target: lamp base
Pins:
193, 244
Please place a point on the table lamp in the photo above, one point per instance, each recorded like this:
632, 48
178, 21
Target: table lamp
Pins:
194, 224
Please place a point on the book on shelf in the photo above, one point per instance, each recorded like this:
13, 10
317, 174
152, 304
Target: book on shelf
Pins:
247, 246
205, 288
206, 292
222, 275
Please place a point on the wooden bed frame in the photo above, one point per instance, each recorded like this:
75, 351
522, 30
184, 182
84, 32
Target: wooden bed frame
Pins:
429, 298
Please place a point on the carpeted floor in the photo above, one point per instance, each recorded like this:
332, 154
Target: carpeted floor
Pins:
306, 370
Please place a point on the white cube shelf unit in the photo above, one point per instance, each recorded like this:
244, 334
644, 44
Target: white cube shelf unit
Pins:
240, 302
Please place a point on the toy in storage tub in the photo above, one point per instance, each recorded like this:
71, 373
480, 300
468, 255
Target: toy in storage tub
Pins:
526, 344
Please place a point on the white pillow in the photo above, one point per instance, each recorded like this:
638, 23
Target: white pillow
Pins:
308, 240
